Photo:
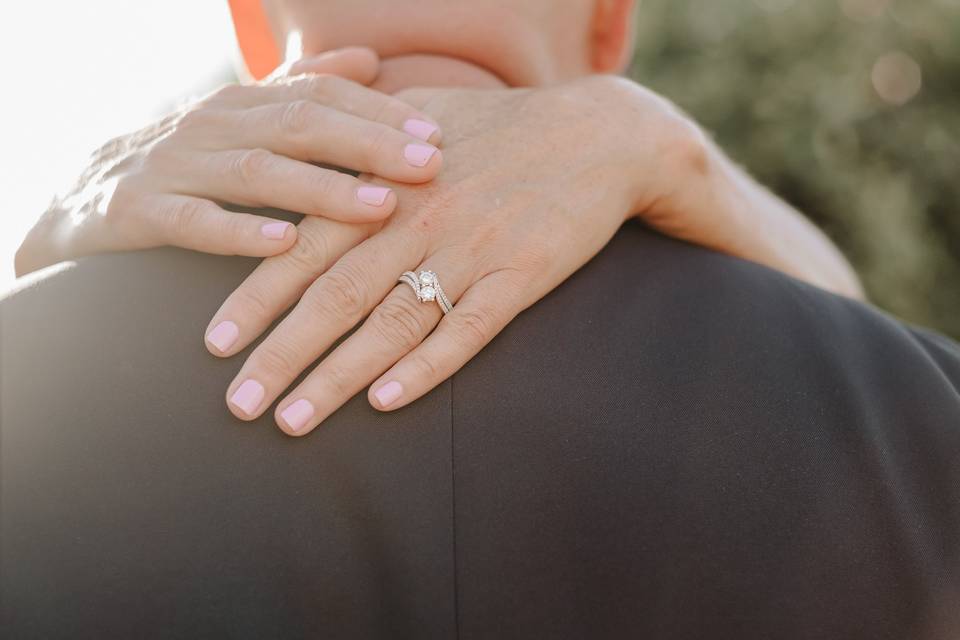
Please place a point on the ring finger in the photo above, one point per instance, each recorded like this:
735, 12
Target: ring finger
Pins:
330, 307
394, 328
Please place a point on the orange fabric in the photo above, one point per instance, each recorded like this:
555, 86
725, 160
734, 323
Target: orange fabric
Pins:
257, 44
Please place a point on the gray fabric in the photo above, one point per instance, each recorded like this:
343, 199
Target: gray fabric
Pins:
673, 444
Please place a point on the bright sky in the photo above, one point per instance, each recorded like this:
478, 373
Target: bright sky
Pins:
85, 72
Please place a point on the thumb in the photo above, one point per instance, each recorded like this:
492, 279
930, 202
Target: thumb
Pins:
360, 64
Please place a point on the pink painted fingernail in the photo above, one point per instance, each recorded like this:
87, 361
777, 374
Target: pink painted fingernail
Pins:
374, 196
275, 230
419, 128
298, 414
418, 154
223, 335
248, 397
388, 393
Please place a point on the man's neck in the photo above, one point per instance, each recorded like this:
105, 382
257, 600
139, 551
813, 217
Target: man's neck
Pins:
406, 71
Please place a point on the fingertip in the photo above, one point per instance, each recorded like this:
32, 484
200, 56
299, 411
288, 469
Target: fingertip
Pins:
436, 162
425, 158
238, 413
356, 63
386, 396
389, 204
296, 419
275, 237
212, 350
376, 203
286, 429
364, 50
221, 338
275, 230
423, 130
289, 238
292, 434
244, 402
433, 166
366, 59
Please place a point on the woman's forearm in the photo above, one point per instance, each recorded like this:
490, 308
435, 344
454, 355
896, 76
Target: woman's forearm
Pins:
775, 234
713, 202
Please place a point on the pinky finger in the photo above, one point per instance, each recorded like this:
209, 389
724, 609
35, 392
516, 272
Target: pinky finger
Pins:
482, 312
201, 225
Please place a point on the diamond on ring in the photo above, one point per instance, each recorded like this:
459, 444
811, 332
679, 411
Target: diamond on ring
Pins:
426, 286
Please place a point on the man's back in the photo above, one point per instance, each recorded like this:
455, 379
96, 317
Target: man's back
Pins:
674, 443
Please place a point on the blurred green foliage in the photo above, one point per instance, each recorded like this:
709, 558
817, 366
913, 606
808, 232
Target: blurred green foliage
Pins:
806, 95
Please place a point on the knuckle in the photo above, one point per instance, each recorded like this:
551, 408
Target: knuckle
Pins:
339, 380
473, 327
343, 291
197, 117
325, 185
536, 259
186, 214
415, 96
162, 157
684, 145
377, 143
233, 230
123, 199
323, 88
227, 94
296, 116
433, 208
399, 323
249, 166
310, 253
114, 215
251, 300
279, 358
391, 111
383, 111
425, 368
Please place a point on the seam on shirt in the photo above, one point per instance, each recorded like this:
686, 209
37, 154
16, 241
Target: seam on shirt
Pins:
453, 519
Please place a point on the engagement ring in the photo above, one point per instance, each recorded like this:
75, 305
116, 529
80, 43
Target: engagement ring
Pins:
427, 287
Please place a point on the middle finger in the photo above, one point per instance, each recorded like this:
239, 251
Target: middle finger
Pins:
397, 326
310, 132
279, 281
332, 305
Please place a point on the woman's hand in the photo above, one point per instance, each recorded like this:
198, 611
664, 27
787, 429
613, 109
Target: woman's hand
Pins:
245, 145
536, 182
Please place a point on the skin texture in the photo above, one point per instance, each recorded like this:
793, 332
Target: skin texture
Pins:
247, 145
536, 182
479, 225
529, 43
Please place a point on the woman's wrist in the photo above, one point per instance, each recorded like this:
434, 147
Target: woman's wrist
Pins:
629, 131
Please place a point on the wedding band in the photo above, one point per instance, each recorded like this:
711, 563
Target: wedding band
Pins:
427, 287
